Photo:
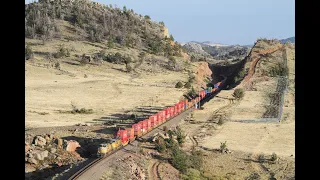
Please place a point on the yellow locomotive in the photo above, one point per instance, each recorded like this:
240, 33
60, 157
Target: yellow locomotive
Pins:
106, 148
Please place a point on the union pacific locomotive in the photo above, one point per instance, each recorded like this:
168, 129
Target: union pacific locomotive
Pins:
125, 136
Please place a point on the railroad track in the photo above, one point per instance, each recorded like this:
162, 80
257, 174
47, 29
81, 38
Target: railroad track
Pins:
96, 161
159, 128
84, 169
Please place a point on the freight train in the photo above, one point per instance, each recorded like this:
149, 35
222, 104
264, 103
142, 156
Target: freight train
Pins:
128, 135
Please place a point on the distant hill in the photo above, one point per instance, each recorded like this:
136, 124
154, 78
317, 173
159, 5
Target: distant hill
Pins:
216, 50
291, 39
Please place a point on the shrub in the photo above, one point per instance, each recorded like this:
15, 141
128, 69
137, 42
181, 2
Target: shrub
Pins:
254, 176
238, 93
111, 42
192, 92
226, 63
171, 37
62, 52
160, 144
261, 158
274, 157
172, 63
279, 70
129, 68
241, 73
147, 17
187, 85
180, 135
196, 159
192, 174
49, 56
28, 52
165, 129
82, 111
221, 121
179, 85
133, 116
57, 65
223, 146
179, 158
116, 58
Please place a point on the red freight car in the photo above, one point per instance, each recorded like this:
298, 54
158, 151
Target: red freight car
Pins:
159, 117
144, 126
176, 109
182, 103
168, 113
202, 94
163, 115
149, 127
154, 121
123, 136
137, 129
172, 111
130, 132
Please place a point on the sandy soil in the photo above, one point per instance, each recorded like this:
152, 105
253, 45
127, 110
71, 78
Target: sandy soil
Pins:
255, 138
106, 91
239, 165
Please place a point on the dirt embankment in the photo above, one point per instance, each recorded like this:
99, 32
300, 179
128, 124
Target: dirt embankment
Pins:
256, 56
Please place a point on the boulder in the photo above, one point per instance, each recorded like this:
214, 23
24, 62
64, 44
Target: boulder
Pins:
72, 146
32, 161
60, 143
28, 168
40, 141
26, 147
52, 137
47, 138
40, 155
53, 150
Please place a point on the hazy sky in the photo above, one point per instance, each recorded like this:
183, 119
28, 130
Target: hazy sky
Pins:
221, 21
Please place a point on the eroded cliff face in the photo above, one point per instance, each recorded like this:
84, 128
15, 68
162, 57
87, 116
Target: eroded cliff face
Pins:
203, 75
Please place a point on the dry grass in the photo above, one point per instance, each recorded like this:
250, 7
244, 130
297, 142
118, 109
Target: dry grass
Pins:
108, 90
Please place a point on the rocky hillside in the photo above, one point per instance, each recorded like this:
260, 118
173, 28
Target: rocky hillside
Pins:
227, 52
194, 48
97, 22
203, 50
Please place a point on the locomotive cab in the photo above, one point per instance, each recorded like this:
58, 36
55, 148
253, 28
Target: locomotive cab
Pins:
103, 149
